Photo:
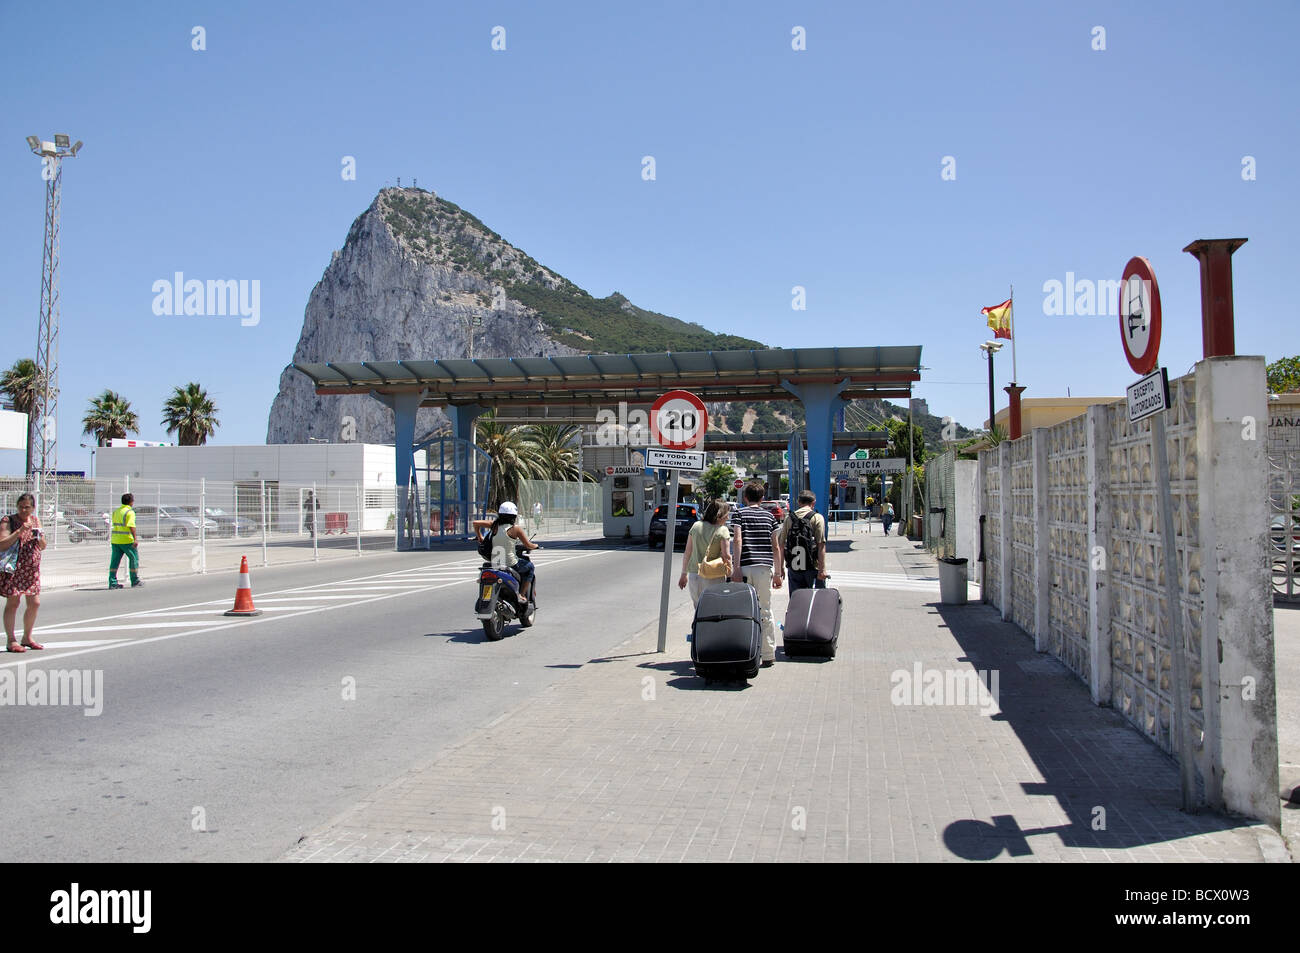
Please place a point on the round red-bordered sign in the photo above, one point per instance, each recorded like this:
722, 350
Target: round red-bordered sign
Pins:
678, 420
1139, 315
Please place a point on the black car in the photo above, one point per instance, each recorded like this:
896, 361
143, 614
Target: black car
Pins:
688, 514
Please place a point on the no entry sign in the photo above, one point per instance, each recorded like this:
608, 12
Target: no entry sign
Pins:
678, 420
1139, 315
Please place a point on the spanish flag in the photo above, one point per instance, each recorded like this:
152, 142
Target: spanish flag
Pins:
999, 318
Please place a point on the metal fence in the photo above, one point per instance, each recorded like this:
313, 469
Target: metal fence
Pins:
206, 525
560, 508
940, 524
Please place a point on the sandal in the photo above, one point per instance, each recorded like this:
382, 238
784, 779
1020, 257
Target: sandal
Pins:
15, 647
32, 645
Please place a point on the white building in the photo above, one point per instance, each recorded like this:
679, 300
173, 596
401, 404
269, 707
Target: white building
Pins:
235, 476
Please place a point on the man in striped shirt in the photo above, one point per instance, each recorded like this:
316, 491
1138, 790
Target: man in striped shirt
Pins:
755, 554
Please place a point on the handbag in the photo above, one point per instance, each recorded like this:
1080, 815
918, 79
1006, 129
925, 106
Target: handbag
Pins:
713, 568
9, 559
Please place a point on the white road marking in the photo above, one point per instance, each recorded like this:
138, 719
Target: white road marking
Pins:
75, 644
223, 624
60, 630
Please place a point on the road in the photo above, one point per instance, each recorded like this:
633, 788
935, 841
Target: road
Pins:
229, 739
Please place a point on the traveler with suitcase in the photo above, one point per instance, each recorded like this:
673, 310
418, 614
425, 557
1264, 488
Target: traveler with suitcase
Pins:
803, 543
757, 560
709, 540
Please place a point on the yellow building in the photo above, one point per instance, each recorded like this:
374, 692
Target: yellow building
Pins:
1047, 411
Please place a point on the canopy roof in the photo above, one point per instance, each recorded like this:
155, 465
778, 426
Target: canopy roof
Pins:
600, 379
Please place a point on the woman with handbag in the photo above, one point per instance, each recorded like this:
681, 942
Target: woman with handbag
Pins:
21, 545
707, 559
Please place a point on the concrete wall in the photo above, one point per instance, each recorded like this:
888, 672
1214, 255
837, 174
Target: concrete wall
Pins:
1074, 547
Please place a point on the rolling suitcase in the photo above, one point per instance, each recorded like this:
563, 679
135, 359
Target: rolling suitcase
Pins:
725, 636
812, 622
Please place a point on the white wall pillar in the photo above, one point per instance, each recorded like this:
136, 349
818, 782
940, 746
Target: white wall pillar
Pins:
1238, 674
1042, 579
1099, 555
1005, 536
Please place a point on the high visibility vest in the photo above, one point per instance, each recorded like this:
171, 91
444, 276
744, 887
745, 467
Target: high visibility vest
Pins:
123, 521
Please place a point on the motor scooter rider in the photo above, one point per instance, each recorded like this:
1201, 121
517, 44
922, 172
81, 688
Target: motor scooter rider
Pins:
503, 546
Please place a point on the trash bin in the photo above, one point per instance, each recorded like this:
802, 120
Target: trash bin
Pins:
918, 526
952, 581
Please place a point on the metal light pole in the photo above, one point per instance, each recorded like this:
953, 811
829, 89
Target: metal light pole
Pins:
990, 348
43, 425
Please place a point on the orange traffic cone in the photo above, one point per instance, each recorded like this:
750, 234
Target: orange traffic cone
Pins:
244, 594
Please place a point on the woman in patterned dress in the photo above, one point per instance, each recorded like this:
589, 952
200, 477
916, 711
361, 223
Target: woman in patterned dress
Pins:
23, 530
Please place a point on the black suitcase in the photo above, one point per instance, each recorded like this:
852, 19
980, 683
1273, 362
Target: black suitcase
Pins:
725, 636
812, 622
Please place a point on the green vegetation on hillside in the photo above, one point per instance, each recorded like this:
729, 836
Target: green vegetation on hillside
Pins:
601, 325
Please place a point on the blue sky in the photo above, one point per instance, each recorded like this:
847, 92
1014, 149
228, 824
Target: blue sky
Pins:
774, 168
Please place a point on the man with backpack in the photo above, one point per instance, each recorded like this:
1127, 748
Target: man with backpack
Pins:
803, 543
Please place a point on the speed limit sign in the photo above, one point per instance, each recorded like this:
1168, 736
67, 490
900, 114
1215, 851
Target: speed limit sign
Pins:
678, 420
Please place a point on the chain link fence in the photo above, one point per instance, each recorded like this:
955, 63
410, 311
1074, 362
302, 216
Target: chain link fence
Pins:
558, 508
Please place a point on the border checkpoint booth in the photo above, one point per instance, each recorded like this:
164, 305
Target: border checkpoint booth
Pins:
822, 379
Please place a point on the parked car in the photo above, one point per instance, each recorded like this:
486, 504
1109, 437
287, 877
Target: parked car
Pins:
775, 507
688, 514
227, 524
152, 522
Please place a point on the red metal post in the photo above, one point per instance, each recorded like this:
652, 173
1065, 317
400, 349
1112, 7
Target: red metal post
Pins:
1218, 331
1014, 390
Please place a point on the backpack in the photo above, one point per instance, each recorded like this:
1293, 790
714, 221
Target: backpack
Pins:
800, 543
485, 544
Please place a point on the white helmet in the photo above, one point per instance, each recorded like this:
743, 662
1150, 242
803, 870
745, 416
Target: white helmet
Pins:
507, 509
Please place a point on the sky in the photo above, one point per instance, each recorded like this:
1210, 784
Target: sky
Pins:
906, 167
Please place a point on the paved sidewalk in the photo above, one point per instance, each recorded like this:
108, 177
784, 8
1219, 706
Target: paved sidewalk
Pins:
632, 758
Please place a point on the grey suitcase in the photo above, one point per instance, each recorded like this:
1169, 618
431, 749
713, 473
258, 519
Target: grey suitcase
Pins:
812, 622
725, 636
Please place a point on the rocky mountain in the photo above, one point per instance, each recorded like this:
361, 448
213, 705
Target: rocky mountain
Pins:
415, 279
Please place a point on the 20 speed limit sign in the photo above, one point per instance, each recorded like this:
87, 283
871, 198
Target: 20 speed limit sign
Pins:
678, 420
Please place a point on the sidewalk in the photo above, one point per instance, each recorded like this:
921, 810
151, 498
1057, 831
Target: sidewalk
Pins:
632, 758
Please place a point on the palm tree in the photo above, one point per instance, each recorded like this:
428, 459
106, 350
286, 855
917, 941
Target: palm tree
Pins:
110, 416
514, 455
23, 383
191, 415
558, 448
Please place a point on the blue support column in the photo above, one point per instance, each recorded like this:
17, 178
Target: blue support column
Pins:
820, 402
462, 418
404, 408
794, 474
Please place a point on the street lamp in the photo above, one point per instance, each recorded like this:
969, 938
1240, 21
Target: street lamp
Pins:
990, 348
91, 448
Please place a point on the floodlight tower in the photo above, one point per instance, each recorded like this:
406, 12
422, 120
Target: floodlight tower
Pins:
42, 426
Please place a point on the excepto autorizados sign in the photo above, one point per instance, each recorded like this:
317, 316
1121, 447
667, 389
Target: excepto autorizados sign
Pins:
1148, 396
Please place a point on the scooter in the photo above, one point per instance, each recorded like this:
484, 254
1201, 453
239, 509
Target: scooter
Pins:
89, 528
499, 601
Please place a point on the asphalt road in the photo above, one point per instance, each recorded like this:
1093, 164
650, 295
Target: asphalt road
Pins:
228, 740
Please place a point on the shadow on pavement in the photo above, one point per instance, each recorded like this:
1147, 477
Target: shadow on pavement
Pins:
1117, 788
472, 636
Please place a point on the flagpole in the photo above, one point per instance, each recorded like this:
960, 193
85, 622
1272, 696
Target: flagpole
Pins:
1015, 378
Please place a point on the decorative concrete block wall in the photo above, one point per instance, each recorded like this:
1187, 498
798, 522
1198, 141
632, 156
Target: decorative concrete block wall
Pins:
1074, 558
